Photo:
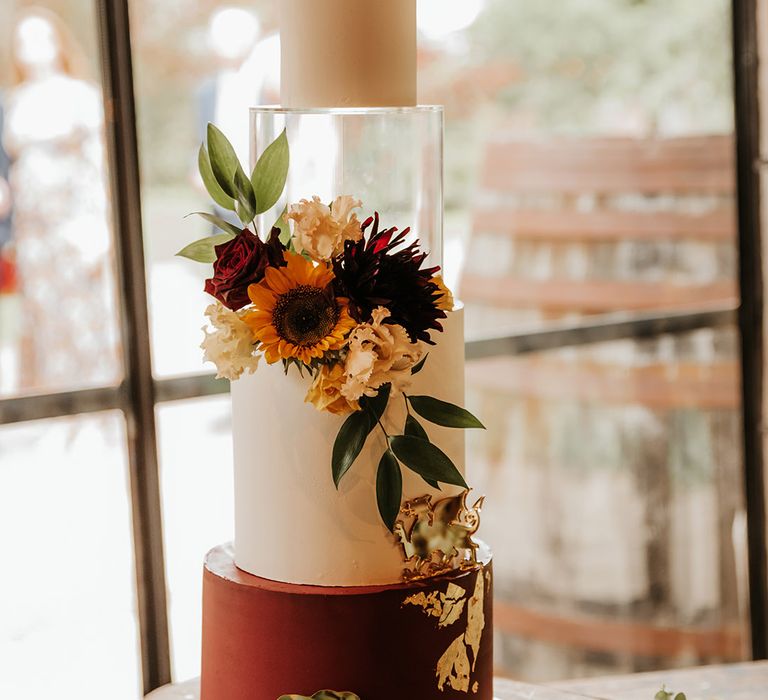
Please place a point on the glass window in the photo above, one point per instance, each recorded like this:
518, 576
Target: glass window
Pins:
58, 326
69, 627
587, 171
617, 522
211, 63
195, 444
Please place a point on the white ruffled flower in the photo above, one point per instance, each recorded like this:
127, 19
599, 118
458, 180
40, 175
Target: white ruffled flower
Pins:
378, 353
320, 230
230, 346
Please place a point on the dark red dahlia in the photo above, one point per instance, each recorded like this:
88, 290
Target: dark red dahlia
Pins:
240, 262
379, 270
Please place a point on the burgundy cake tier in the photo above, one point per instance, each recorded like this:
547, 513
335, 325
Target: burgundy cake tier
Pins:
425, 639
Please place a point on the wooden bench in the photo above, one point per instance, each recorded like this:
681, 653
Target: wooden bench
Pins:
593, 201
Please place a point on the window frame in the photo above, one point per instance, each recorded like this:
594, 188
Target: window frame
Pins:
139, 392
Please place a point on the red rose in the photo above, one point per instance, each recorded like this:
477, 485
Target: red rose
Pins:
242, 262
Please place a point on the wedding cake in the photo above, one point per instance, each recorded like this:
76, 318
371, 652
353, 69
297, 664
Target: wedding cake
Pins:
354, 567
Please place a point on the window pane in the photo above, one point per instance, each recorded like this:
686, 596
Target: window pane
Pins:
58, 326
587, 172
196, 464
68, 614
616, 516
189, 72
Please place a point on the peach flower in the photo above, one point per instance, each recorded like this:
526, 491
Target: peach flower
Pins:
230, 346
320, 230
378, 353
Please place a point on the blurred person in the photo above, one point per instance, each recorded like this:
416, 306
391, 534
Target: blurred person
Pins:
225, 97
7, 271
53, 134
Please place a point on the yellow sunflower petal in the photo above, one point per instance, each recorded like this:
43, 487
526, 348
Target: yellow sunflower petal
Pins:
262, 297
277, 280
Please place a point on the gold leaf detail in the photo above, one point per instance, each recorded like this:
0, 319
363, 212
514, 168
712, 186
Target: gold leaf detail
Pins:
446, 606
475, 619
453, 666
430, 604
453, 604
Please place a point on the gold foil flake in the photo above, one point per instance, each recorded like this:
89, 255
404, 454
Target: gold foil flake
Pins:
437, 537
431, 604
447, 607
475, 687
475, 619
453, 605
453, 667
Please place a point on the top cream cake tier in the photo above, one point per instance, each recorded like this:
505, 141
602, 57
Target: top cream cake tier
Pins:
291, 523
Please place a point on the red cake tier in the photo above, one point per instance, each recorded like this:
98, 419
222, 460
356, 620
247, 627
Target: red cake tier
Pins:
421, 640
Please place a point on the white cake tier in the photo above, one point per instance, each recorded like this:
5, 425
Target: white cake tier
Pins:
291, 524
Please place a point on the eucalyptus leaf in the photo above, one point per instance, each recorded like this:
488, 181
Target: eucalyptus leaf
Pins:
389, 489
443, 413
414, 429
223, 159
349, 443
211, 184
271, 171
218, 222
419, 365
282, 225
203, 250
426, 459
245, 196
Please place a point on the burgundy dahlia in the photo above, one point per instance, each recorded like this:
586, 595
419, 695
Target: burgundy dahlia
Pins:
240, 262
379, 270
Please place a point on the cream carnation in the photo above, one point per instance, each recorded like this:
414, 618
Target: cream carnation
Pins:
377, 354
230, 346
320, 230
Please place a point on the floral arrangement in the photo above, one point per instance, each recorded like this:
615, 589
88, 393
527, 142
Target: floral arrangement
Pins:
349, 303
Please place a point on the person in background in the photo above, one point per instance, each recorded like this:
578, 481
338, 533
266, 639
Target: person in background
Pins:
7, 268
62, 239
225, 97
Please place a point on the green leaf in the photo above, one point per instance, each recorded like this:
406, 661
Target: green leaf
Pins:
414, 429
224, 162
245, 196
203, 250
271, 172
419, 365
214, 189
376, 405
443, 413
349, 442
282, 225
218, 221
389, 489
426, 459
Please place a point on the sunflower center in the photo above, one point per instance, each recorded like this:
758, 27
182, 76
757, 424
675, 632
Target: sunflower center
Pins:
304, 315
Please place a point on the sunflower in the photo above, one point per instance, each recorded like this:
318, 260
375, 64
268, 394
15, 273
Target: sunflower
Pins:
296, 312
